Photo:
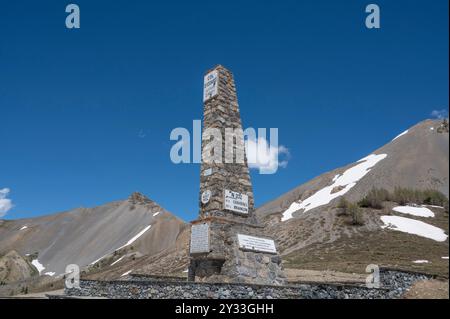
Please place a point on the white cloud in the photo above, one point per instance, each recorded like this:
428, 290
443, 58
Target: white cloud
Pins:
265, 157
142, 133
5, 203
439, 114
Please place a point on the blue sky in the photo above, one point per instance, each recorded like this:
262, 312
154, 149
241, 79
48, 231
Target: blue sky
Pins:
85, 115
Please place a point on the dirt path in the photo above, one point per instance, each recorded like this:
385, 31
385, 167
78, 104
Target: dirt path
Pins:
39, 295
429, 289
305, 275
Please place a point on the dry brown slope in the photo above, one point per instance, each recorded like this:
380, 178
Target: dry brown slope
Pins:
320, 239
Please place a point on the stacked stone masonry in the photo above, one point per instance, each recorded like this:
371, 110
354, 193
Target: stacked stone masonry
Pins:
224, 261
222, 112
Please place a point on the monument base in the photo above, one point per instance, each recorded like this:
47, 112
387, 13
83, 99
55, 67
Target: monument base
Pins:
237, 253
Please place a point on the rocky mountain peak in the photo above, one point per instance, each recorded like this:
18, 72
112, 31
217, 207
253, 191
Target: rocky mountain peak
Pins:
443, 127
139, 198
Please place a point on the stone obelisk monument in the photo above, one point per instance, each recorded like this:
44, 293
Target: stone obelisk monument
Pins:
227, 244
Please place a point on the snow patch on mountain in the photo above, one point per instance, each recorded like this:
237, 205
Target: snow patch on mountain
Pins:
412, 226
415, 211
132, 240
38, 265
97, 260
401, 134
117, 261
126, 273
346, 181
434, 206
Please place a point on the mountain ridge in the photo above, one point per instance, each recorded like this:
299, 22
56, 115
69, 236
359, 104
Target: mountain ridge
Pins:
321, 180
84, 236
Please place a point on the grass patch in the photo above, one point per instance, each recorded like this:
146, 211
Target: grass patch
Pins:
375, 198
402, 195
389, 249
350, 210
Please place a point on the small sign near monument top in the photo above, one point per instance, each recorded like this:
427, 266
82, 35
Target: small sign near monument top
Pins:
210, 85
235, 202
206, 196
256, 244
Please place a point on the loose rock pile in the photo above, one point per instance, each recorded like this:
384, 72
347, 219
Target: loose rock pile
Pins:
393, 285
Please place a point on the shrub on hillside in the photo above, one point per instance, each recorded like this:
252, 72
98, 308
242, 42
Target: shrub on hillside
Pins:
352, 210
433, 197
375, 198
343, 203
356, 213
342, 206
404, 196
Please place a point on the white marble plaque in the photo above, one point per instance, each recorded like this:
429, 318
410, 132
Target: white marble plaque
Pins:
235, 202
206, 196
210, 85
256, 244
199, 238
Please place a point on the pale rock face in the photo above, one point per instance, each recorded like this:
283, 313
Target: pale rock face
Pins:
86, 236
14, 267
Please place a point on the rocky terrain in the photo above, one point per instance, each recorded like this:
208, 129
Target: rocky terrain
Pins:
393, 284
14, 267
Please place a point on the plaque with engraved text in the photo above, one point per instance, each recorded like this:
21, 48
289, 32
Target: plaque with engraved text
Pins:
199, 238
256, 244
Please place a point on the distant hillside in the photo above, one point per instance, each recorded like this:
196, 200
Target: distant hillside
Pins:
86, 236
417, 158
311, 233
